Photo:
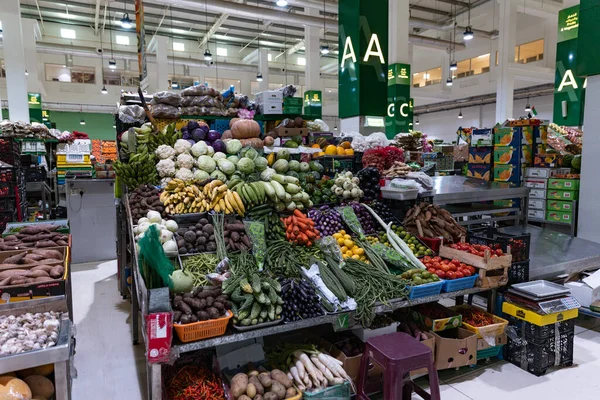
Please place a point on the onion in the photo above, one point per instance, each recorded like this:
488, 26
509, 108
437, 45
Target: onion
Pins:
142, 220
165, 235
143, 227
170, 246
172, 225
154, 216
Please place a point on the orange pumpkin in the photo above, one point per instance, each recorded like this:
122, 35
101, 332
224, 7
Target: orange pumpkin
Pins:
226, 135
245, 129
315, 146
233, 121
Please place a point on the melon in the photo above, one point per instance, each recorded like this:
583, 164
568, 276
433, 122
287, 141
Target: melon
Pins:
14, 389
40, 386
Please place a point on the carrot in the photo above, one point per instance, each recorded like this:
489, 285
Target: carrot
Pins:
303, 226
303, 238
299, 214
310, 234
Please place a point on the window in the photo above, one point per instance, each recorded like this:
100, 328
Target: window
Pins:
223, 83
429, 77
75, 74
68, 33
122, 40
178, 46
222, 51
301, 61
472, 66
181, 82
119, 78
529, 52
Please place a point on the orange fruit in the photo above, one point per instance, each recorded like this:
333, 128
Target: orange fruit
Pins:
319, 154
340, 151
349, 152
331, 150
315, 146
346, 145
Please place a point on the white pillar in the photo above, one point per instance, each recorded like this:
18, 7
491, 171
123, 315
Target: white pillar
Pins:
589, 191
162, 63
30, 52
505, 83
312, 52
398, 46
14, 61
263, 68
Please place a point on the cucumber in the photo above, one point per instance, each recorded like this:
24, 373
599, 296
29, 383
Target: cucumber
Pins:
256, 288
255, 311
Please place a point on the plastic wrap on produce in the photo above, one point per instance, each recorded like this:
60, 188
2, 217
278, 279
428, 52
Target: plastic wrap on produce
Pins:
132, 114
200, 90
165, 111
288, 91
164, 97
313, 275
377, 139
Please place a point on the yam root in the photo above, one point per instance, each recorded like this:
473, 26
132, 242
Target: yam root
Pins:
16, 259
46, 243
48, 253
57, 272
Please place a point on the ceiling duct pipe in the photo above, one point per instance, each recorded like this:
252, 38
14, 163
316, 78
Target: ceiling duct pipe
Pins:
432, 42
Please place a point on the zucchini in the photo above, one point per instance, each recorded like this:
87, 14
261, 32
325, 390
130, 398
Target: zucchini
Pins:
243, 315
272, 312
237, 297
246, 322
249, 299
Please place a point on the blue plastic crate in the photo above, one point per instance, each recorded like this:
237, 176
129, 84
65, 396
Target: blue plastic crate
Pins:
460, 284
428, 289
220, 125
490, 352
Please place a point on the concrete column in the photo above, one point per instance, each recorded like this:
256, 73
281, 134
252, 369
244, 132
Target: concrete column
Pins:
312, 52
589, 191
505, 83
550, 38
34, 83
263, 68
446, 73
16, 81
398, 46
162, 64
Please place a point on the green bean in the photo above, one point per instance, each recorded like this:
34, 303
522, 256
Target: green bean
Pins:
199, 266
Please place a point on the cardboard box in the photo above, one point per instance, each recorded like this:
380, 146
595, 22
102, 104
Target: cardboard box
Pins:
479, 171
480, 155
429, 342
365, 334
482, 137
452, 319
455, 348
544, 172
507, 173
559, 216
352, 364
583, 292
537, 194
537, 204
499, 340
536, 183
269, 96
285, 132
562, 194
507, 155
527, 135
558, 205
536, 214
564, 184
527, 154
506, 137
547, 160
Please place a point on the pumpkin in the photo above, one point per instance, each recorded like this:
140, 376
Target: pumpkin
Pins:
40, 386
346, 145
233, 121
255, 143
331, 150
245, 129
14, 389
226, 135
315, 146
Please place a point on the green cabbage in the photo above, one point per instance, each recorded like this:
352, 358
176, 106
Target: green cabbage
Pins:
233, 146
261, 163
200, 175
246, 165
251, 153
281, 166
219, 156
234, 159
226, 166
216, 174
206, 163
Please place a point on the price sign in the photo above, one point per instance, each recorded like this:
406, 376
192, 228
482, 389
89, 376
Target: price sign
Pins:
342, 322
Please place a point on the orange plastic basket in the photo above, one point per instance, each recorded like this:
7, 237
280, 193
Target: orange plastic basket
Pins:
203, 329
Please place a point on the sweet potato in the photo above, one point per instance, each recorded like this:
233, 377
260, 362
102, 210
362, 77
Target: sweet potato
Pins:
11, 238
61, 242
49, 261
34, 257
16, 259
46, 243
14, 272
43, 279
18, 280
34, 230
5, 281
38, 274
57, 271
46, 268
37, 238
239, 384
48, 253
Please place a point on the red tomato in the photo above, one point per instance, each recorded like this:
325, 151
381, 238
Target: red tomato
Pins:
437, 258
462, 265
445, 267
426, 259
499, 252
441, 274
452, 267
466, 272
459, 275
471, 269
432, 270
455, 262
450, 275
435, 265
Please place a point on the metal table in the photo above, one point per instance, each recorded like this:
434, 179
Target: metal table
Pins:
553, 253
461, 190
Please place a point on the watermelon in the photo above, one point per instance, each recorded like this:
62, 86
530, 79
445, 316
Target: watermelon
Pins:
567, 160
576, 163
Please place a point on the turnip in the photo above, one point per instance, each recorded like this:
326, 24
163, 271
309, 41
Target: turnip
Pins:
154, 216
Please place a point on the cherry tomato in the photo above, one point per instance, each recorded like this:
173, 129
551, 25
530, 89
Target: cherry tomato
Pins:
450, 275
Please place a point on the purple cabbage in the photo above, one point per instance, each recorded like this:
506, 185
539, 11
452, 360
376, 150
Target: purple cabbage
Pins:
192, 142
186, 134
198, 134
192, 125
219, 145
212, 136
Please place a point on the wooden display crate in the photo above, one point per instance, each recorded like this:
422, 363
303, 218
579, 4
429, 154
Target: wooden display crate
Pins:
286, 132
485, 263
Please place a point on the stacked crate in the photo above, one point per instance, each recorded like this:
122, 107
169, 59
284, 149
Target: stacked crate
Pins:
561, 197
73, 157
537, 179
480, 154
13, 198
508, 154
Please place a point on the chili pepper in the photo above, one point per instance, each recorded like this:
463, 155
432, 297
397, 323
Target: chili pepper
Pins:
475, 318
195, 383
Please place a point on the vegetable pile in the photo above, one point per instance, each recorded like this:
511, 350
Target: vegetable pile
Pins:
166, 230
28, 332
235, 237
255, 300
262, 384
198, 238
143, 199
434, 221
194, 383
199, 266
369, 182
382, 157
420, 277
327, 220
348, 248
300, 300
346, 186
417, 248
299, 229
397, 170
475, 317
477, 249
202, 304
364, 217
35, 236
274, 228
31, 266
181, 198
448, 269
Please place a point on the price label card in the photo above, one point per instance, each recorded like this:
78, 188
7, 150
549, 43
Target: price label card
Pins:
342, 322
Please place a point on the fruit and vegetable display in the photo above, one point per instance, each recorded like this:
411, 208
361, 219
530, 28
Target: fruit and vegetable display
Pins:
34, 237
383, 211
235, 236
382, 158
477, 249
433, 222
274, 227
166, 229
475, 317
397, 170
192, 382
29, 331
417, 248
255, 300
448, 269
139, 170
369, 182
202, 304
348, 247
346, 186
262, 384
364, 217
327, 220
420, 277
200, 266
181, 198
143, 199
299, 229
32, 266
319, 190
300, 300
198, 238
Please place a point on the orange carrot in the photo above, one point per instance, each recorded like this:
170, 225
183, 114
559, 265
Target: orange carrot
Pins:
302, 237
303, 226
299, 214
310, 234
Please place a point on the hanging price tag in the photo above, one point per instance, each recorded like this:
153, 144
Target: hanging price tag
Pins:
342, 322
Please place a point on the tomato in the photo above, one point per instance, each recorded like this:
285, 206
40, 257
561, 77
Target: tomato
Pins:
426, 259
466, 272
455, 262
462, 265
436, 265
471, 269
452, 267
432, 270
499, 252
459, 275
437, 258
441, 274
450, 275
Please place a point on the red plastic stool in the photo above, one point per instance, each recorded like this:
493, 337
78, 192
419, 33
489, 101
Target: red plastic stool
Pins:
398, 354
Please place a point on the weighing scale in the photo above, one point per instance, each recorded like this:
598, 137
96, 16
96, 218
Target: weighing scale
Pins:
542, 297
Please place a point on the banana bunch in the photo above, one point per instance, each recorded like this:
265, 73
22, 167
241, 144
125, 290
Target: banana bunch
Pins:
140, 170
169, 135
181, 198
252, 194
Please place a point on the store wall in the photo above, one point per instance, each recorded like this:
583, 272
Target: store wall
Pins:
97, 126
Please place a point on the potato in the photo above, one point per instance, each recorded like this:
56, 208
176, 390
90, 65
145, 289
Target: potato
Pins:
282, 378
243, 397
278, 389
257, 385
291, 392
258, 397
239, 384
270, 396
40, 385
251, 390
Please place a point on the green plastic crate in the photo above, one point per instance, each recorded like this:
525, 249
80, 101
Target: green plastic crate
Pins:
337, 392
490, 352
292, 101
292, 110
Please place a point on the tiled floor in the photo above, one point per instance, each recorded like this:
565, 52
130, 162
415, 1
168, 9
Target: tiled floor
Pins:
110, 367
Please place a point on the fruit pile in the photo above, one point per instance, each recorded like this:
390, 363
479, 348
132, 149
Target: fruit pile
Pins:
348, 248
182, 198
447, 269
418, 276
477, 249
418, 248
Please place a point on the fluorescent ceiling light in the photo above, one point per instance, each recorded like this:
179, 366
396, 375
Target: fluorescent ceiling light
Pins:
301, 61
222, 51
122, 40
68, 33
269, 57
281, 3
126, 22
178, 46
468, 33
207, 55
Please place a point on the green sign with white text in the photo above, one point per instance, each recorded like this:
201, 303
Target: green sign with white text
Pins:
35, 107
313, 103
399, 104
588, 38
568, 24
363, 44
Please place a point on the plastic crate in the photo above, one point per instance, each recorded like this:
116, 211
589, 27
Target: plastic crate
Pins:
334, 164
8, 204
6, 217
202, 330
492, 330
10, 152
220, 125
490, 352
8, 189
538, 357
337, 392
428, 289
459, 284
518, 272
35, 174
535, 333
519, 244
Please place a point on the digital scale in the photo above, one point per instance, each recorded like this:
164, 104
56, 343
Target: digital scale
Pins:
543, 297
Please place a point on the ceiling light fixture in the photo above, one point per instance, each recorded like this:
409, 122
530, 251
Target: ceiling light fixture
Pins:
114, 126
281, 3
207, 55
126, 22
112, 63
453, 66
468, 33
82, 121
527, 106
324, 50
416, 120
104, 91
259, 77
460, 114
26, 73
449, 82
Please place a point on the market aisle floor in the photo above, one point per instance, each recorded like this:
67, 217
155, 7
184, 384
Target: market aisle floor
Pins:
110, 367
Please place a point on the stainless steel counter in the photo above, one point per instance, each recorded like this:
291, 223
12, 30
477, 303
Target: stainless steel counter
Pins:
554, 253
459, 189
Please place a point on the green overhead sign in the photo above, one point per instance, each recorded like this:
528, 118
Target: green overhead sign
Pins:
399, 110
35, 107
588, 38
363, 44
569, 93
